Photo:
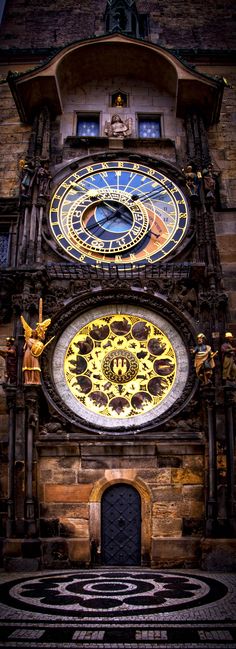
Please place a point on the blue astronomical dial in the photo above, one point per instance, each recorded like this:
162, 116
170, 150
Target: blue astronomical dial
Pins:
118, 212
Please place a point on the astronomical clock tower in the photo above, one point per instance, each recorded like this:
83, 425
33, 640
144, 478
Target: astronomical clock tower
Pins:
118, 381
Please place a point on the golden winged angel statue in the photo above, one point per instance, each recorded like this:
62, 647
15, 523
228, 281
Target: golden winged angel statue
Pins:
33, 348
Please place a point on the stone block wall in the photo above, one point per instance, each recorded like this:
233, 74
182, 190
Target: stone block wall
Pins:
222, 136
172, 24
14, 143
71, 488
143, 98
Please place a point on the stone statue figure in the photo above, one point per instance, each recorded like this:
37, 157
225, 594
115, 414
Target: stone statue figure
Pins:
9, 355
228, 358
193, 181
119, 101
33, 349
44, 179
209, 183
27, 179
118, 127
203, 360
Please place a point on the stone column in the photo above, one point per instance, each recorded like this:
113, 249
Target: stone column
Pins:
11, 405
32, 232
39, 237
197, 140
230, 393
31, 400
208, 394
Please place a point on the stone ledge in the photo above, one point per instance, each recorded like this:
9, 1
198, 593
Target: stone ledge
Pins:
195, 552
176, 552
218, 554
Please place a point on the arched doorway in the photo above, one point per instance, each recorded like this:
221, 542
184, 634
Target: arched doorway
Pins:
121, 526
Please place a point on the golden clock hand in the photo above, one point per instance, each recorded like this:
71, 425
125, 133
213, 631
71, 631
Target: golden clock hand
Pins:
100, 223
149, 232
97, 224
154, 192
118, 212
110, 206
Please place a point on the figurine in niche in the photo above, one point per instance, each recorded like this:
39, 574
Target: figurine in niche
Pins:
228, 358
193, 182
188, 297
209, 182
9, 355
43, 179
33, 348
203, 360
28, 176
118, 127
119, 101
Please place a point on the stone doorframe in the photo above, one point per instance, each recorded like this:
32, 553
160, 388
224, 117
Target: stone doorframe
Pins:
113, 477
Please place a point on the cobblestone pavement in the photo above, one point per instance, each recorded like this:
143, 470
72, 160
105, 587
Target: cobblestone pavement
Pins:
114, 608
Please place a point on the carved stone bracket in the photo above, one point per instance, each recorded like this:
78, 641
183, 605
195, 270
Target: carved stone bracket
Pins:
25, 302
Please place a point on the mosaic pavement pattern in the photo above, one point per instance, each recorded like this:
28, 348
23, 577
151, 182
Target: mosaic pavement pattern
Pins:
118, 609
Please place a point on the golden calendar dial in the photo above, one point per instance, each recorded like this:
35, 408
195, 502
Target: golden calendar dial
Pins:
120, 366
118, 212
115, 368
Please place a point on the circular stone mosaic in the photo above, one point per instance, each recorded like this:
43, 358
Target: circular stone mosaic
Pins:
120, 365
111, 593
120, 369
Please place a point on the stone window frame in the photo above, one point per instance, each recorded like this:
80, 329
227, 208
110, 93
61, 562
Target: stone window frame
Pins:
86, 115
154, 116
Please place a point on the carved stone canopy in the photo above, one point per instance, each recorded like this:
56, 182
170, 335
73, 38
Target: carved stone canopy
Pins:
108, 57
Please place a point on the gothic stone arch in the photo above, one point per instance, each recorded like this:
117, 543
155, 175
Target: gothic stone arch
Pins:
112, 477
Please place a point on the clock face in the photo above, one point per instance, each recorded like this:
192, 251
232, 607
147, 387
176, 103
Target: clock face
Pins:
120, 366
118, 212
114, 368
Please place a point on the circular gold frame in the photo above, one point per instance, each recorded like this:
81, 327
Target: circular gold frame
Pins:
129, 413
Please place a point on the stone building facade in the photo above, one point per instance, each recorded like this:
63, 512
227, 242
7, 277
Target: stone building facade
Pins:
117, 194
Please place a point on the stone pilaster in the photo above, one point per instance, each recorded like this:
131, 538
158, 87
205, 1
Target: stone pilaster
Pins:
230, 396
11, 405
32, 405
208, 395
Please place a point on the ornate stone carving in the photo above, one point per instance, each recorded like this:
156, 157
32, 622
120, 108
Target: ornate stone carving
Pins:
118, 127
25, 302
197, 140
228, 359
7, 287
9, 355
210, 183
190, 420
43, 180
53, 427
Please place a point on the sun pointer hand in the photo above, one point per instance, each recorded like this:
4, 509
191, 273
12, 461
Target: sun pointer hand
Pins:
152, 194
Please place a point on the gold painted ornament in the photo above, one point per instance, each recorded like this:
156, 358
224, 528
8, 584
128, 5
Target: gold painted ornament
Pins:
120, 365
118, 213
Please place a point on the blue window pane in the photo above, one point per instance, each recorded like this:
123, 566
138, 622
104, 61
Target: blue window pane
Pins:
149, 127
88, 126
